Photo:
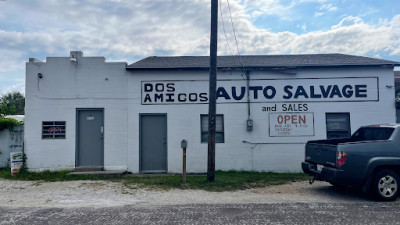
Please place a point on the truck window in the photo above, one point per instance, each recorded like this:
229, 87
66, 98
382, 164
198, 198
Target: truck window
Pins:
372, 133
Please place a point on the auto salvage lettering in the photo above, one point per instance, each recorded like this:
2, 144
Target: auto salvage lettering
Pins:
179, 92
269, 92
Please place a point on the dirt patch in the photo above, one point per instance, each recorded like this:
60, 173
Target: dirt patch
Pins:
290, 188
95, 186
110, 194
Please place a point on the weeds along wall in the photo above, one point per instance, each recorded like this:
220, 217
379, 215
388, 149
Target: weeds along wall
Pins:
11, 140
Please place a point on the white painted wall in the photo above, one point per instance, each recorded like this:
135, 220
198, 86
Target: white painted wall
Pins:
68, 85
90, 82
269, 153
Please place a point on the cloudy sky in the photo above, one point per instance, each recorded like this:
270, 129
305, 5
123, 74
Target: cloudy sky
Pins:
123, 30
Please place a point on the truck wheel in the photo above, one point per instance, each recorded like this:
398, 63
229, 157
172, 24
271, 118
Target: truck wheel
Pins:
386, 185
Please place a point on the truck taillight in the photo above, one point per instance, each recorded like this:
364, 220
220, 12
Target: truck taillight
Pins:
341, 158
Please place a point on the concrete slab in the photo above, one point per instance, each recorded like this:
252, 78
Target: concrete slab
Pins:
88, 168
101, 173
163, 174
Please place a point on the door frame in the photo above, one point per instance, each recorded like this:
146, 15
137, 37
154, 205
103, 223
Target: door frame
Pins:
77, 132
140, 142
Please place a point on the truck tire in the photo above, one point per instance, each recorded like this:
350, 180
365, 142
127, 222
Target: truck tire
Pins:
385, 185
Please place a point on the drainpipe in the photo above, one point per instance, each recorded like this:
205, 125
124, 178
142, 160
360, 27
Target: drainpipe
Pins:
249, 121
248, 93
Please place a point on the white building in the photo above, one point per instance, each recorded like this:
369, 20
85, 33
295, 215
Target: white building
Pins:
83, 111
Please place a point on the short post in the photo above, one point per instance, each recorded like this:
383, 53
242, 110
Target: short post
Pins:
184, 144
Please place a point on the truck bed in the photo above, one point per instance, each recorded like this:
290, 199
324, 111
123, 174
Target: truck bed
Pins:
321, 153
333, 142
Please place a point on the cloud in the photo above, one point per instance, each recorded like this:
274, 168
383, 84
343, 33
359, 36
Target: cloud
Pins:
394, 30
328, 8
303, 27
256, 8
348, 21
351, 35
317, 1
122, 30
10, 61
19, 86
325, 9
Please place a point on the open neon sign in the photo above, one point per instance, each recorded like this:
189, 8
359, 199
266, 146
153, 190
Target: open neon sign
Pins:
54, 130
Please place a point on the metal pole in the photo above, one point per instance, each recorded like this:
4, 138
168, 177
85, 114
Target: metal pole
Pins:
184, 167
212, 91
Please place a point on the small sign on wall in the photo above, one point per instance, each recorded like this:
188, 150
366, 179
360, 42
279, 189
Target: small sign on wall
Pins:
16, 162
291, 124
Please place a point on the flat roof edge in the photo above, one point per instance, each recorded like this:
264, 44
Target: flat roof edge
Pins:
259, 67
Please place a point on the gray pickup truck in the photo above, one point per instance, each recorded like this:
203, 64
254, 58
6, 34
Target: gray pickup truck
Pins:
369, 159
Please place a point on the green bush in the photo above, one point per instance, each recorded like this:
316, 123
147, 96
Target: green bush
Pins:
9, 123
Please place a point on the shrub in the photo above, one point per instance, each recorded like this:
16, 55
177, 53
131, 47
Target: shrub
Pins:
9, 123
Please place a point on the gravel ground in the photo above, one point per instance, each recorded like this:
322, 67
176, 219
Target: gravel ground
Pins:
105, 202
100, 194
214, 214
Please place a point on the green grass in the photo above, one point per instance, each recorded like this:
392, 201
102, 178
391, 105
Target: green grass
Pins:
224, 181
5, 173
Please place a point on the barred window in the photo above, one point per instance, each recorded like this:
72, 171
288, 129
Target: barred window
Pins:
53, 130
219, 129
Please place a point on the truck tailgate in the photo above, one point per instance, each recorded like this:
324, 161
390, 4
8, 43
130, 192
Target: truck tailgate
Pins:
321, 154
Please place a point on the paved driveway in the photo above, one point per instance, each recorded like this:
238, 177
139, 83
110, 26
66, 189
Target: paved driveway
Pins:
94, 202
273, 213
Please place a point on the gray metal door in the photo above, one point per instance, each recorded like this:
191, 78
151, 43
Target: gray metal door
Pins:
90, 133
153, 143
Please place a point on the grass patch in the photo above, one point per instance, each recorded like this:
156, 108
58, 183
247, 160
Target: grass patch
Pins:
224, 181
49, 176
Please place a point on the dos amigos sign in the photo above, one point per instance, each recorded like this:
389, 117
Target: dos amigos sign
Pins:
262, 91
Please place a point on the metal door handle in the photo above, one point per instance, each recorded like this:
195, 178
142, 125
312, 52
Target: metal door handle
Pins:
102, 132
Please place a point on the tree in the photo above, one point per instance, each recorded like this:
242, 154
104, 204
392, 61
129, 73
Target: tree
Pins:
5, 110
12, 103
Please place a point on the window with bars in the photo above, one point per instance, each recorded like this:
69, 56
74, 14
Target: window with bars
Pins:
219, 129
53, 130
338, 125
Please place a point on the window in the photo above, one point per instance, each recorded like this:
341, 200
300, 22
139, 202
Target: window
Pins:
372, 133
337, 125
398, 116
219, 129
53, 130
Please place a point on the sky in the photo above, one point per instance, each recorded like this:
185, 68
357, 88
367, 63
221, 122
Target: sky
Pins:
130, 30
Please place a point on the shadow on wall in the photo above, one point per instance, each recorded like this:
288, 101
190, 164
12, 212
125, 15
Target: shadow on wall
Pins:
10, 141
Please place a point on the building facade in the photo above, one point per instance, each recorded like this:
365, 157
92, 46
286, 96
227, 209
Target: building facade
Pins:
84, 111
